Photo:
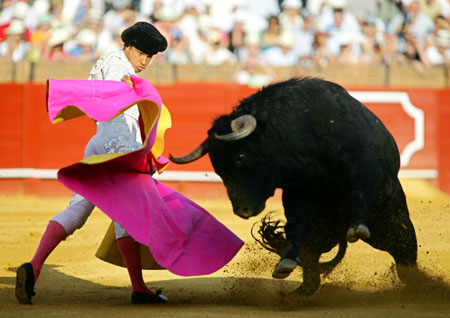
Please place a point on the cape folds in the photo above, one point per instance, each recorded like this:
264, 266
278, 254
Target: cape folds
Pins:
181, 235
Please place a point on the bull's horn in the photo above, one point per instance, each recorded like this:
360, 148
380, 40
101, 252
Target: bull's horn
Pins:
241, 127
199, 152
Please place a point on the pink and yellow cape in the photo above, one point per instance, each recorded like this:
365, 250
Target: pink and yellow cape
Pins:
181, 236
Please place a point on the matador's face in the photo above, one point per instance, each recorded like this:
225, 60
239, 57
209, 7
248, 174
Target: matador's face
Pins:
138, 59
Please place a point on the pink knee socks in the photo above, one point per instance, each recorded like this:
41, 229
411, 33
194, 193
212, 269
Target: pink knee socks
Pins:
54, 234
131, 253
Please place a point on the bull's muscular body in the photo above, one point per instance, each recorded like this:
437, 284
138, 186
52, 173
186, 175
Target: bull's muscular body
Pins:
335, 161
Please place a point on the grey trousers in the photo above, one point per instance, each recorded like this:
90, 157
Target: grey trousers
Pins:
79, 209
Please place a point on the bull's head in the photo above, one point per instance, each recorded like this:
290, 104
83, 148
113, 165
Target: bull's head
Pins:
237, 162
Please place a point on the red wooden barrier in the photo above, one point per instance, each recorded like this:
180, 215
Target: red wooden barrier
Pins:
29, 140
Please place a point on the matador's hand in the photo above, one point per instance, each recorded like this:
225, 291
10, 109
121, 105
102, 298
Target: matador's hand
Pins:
127, 79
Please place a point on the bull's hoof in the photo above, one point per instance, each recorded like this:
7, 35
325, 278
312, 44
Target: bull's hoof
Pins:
284, 268
351, 235
363, 231
357, 232
307, 290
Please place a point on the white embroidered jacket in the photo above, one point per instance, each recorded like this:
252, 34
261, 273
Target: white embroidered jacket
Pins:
120, 134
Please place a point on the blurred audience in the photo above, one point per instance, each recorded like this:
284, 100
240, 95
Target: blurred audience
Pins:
253, 35
85, 48
14, 48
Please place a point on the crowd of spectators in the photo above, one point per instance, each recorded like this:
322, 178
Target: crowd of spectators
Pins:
251, 34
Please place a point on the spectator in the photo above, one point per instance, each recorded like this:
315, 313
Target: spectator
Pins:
39, 38
6, 11
217, 53
438, 48
81, 10
252, 73
289, 17
418, 24
167, 23
156, 6
282, 55
251, 70
14, 48
16, 11
58, 19
388, 9
21, 10
178, 53
413, 54
304, 37
105, 40
237, 35
362, 8
264, 8
322, 55
347, 55
189, 21
115, 44
198, 46
270, 36
41, 7
58, 38
85, 50
315, 7
251, 48
431, 8
119, 16
373, 45
338, 23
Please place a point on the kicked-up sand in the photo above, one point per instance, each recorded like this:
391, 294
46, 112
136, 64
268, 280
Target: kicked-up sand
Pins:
74, 283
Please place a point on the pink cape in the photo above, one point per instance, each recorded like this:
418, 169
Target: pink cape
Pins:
182, 236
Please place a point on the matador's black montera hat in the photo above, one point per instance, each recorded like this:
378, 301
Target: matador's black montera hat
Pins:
145, 37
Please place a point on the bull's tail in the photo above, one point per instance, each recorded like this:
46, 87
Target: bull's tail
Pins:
272, 238
271, 233
326, 268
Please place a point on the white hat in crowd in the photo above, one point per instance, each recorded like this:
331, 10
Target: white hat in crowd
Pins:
94, 15
59, 36
20, 10
294, 4
86, 37
167, 13
16, 27
337, 4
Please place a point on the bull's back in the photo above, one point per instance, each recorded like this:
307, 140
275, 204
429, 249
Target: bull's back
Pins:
315, 110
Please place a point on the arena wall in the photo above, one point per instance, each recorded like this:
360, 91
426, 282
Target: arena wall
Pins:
33, 149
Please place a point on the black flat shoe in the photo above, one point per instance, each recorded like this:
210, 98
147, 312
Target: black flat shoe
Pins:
25, 283
144, 298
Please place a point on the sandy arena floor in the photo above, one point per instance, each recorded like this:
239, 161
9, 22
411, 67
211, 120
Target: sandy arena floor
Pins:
74, 283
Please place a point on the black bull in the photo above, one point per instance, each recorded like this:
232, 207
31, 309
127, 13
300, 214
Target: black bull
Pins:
335, 161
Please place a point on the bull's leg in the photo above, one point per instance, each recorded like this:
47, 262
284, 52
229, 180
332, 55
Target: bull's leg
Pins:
395, 234
298, 212
365, 176
311, 273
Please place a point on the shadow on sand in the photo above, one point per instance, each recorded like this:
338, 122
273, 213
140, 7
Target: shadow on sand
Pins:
56, 288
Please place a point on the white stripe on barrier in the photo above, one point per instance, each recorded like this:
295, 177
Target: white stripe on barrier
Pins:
197, 176
418, 143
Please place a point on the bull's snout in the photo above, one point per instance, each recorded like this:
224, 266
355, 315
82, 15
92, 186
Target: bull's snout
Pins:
247, 212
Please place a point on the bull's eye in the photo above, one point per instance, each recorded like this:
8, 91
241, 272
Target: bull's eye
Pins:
239, 159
